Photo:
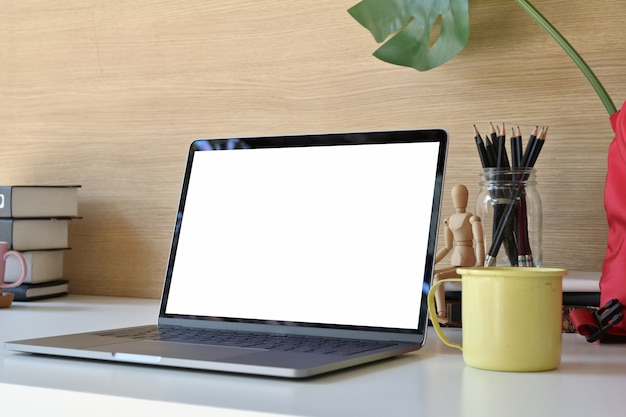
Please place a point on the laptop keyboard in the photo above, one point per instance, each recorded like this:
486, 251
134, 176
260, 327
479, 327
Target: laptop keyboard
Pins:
296, 343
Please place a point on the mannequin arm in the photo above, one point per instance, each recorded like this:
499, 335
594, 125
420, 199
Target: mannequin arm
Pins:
448, 239
479, 242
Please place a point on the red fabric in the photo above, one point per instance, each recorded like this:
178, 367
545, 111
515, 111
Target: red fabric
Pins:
584, 321
613, 279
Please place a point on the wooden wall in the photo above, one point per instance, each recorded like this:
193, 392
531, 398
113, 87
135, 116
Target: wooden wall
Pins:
109, 94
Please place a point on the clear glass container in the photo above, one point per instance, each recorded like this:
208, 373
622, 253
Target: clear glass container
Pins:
510, 210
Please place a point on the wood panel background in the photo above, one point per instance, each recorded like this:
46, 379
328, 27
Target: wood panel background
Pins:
109, 94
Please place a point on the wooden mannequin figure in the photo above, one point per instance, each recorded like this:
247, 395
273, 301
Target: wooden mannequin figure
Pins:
463, 236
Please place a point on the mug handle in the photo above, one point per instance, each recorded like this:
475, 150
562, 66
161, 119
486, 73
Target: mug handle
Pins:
432, 311
24, 269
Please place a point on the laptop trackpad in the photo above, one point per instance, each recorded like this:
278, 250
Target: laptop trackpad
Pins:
152, 351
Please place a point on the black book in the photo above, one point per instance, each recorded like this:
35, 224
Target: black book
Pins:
580, 290
32, 292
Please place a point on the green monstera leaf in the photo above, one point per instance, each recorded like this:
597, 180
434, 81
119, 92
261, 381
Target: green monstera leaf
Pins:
410, 24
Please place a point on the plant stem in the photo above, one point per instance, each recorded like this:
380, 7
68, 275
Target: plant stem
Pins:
569, 49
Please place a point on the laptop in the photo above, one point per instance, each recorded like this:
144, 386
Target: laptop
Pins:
291, 256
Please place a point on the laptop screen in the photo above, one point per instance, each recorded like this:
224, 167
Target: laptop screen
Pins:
337, 230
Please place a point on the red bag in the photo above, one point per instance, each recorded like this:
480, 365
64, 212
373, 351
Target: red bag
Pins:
607, 325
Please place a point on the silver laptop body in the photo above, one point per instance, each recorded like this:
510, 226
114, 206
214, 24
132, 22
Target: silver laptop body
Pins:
298, 237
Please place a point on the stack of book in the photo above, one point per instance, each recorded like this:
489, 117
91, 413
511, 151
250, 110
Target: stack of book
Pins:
34, 221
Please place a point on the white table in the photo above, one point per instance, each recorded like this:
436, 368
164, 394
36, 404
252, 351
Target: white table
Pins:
431, 382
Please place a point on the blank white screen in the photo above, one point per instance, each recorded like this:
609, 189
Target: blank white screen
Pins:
329, 234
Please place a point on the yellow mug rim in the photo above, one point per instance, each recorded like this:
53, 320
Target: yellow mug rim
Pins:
490, 271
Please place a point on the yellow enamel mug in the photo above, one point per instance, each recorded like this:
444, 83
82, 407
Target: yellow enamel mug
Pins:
511, 317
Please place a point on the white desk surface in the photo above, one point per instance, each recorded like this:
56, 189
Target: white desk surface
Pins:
431, 382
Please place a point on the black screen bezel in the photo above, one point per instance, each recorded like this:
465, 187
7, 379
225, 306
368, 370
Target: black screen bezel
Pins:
439, 136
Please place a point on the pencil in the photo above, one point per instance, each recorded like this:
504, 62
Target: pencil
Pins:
533, 148
541, 139
518, 221
530, 146
525, 257
498, 234
510, 246
516, 143
513, 148
492, 133
482, 151
491, 154
503, 158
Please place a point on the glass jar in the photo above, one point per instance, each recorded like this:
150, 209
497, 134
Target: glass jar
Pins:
510, 211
